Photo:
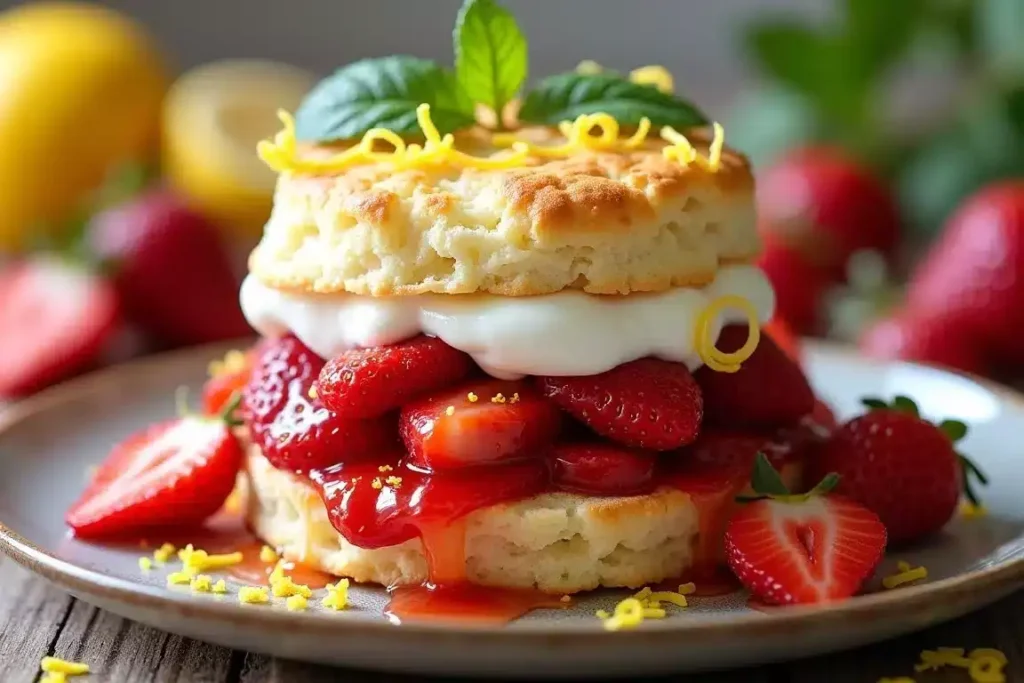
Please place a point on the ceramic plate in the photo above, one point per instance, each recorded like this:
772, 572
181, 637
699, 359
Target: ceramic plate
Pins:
48, 443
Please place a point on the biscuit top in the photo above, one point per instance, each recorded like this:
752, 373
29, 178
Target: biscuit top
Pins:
636, 213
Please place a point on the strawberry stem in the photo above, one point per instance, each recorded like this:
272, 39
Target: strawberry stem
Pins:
228, 413
972, 470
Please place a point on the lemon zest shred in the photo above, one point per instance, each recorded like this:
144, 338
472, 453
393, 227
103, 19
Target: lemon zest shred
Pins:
220, 587
285, 587
54, 665
145, 563
201, 561
280, 153
578, 137
682, 151
687, 588
337, 595
253, 595
655, 75
714, 358
296, 603
164, 553
201, 584
986, 670
644, 604
969, 510
905, 575
232, 362
183, 578
268, 554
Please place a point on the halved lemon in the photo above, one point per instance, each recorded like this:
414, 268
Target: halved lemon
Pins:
213, 117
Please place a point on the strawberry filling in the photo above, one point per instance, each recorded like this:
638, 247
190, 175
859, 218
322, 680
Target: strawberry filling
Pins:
402, 445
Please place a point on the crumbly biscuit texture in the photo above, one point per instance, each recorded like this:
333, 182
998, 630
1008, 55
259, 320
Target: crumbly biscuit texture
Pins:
559, 543
603, 222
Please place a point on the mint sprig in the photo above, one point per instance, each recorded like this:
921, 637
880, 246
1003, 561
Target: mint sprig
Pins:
382, 92
490, 54
491, 65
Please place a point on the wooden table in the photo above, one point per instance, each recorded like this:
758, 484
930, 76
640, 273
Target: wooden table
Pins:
37, 619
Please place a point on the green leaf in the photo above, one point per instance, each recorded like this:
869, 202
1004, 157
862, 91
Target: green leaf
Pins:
905, 404
827, 483
490, 53
954, 429
566, 96
770, 120
765, 480
970, 470
382, 92
878, 32
874, 403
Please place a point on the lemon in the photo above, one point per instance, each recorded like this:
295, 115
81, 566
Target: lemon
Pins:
213, 118
80, 92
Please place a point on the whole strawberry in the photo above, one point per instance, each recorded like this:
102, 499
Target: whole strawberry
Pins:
170, 268
800, 286
826, 206
935, 339
647, 403
902, 467
973, 276
799, 549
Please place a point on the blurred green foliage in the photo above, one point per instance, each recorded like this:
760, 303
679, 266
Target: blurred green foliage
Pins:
831, 84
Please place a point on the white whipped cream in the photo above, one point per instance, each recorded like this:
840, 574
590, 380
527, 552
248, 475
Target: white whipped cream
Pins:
566, 333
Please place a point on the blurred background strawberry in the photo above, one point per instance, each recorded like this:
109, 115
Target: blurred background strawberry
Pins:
887, 139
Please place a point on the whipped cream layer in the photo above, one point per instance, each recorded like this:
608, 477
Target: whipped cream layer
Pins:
566, 333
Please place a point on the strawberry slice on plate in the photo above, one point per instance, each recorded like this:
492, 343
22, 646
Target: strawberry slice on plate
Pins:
56, 319
481, 421
603, 469
172, 474
647, 403
798, 549
369, 382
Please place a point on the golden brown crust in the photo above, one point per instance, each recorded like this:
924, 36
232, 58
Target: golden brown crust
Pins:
607, 223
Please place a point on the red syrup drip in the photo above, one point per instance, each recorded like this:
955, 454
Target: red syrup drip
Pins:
465, 603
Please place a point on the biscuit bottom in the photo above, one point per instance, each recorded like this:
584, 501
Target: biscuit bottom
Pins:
556, 542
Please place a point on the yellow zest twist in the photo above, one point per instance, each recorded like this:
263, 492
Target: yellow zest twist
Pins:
579, 137
712, 356
681, 151
281, 153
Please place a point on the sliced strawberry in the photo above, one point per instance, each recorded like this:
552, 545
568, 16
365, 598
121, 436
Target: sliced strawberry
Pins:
173, 474
768, 390
290, 425
647, 403
602, 469
802, 549
481, 421
369, 382
55, 318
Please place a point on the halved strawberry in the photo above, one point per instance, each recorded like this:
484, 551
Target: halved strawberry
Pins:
647, 403
172, 474
602, 469
369, 382
808, 548
55, 320
290, 424
768, 390
478, 422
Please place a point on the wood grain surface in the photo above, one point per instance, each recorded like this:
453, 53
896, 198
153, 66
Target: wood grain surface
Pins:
37, 619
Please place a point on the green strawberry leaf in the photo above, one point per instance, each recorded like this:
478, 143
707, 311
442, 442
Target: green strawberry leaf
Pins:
874, 403
566, 96
954, 429
905, 404
878, 32
490, 53
827, 484
765, 480
971, 470
382, 92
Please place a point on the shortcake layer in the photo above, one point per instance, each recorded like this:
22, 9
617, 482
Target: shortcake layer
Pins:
601, 222
566, 333
557, 542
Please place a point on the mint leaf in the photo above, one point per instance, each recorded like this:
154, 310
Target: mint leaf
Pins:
765, 480
490, 53
566, 96
382, 92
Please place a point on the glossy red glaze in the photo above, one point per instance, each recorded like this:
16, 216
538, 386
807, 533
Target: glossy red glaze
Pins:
602, 469
466, 602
